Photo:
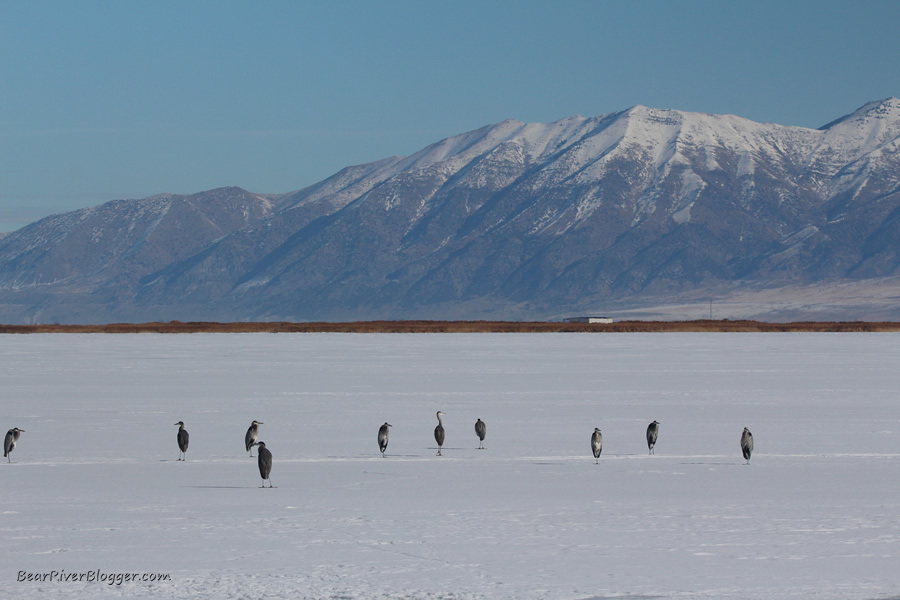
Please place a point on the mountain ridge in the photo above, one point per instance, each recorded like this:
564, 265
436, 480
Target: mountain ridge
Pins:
511, 220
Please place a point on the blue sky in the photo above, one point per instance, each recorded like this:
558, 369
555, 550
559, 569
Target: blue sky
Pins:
121, 99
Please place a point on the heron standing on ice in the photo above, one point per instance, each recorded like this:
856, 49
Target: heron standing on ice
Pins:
183, 440
384, 433
480, 431
439, 432
12, 436
264, 460
597, 444
252, 434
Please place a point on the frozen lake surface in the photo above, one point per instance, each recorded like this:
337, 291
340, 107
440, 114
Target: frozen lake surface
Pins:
95, 485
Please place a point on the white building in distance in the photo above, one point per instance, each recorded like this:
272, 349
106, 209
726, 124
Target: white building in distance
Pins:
589, 320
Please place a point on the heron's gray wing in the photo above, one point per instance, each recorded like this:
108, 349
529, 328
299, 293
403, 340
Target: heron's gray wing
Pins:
265, 463
747, 444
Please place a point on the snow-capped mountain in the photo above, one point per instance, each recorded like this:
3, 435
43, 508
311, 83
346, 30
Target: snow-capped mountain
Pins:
513, 220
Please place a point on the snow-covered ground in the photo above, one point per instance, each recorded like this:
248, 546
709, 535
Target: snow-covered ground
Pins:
95, 486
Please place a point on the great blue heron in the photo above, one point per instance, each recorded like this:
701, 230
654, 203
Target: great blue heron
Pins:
384, 433
480, 431
652, 433
439, 432
252, 434
264, 460
12, 436
597, 444
747, 444
184, 439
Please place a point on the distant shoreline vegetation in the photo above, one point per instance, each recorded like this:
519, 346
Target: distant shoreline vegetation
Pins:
725, 326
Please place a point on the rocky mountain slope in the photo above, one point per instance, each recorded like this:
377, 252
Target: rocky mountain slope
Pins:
511, 221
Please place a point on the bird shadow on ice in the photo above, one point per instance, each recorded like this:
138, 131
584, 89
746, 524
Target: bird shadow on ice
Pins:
628, 597
222, 487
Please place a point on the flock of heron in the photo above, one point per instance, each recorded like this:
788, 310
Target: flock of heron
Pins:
264, 456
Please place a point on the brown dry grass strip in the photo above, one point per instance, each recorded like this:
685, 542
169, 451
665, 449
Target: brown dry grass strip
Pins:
460, 327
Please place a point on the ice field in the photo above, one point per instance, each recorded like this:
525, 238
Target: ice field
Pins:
94, 486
